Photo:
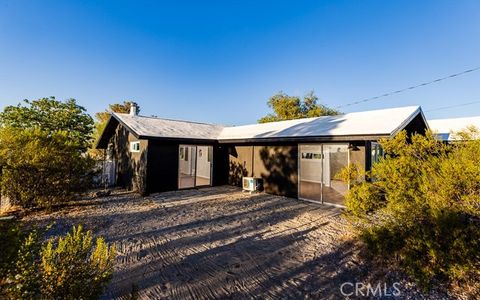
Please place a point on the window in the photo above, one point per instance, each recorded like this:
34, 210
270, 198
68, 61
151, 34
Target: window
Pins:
209, 153
311, 155
377, 152
182, 153
134, 146
109, 153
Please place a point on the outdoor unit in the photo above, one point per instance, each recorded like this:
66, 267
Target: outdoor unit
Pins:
252, 184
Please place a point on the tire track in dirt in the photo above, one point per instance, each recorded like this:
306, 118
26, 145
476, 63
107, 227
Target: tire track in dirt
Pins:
217, 243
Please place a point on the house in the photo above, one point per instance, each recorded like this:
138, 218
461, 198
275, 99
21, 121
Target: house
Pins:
446, 129
295, 158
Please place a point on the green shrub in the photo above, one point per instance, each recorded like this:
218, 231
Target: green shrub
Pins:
73, 267
363, 198
352, 174
422, 211
25, 280
11, 238
41, 168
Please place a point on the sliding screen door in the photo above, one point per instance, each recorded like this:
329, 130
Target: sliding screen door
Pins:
186, 166
194, 166
335, 158
204, 166
310, 179
319, 165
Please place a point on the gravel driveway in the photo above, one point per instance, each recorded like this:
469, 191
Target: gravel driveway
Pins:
217, 243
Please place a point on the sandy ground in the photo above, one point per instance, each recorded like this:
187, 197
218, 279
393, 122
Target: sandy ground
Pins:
221, 243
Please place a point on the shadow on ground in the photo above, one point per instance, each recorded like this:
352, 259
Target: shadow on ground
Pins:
221, 243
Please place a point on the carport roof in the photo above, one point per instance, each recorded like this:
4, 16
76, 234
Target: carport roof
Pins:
383, 122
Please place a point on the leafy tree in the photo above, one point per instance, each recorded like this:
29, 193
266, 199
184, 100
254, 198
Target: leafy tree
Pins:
102, 117
40, 168
422, 210
287, 107
42, 151
51, 115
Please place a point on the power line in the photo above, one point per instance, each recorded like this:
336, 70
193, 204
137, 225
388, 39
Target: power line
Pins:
453, 106
408, 88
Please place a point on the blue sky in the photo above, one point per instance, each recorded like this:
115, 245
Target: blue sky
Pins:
219, 61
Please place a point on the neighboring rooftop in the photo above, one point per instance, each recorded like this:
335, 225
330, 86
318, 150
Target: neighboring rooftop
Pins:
446, 128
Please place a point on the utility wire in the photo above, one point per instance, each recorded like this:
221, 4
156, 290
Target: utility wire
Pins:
453, 106
408, 88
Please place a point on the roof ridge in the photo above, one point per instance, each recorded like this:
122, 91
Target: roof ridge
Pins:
329, 116
168, 119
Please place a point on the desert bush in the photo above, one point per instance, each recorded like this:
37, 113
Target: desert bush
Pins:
422, 212
73, 264
11, 237
72, 267
352, 174
10, 240
25, 280
41, 168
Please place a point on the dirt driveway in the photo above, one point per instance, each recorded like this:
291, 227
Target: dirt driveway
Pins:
218, 243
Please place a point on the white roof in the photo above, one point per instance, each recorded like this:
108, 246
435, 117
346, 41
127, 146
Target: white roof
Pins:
165, 128
383, 122
446, 128
375, 122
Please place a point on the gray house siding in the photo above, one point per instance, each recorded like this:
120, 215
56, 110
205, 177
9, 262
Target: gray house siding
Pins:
131, 167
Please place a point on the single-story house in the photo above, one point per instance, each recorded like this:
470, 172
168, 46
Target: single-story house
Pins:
447, 129
295, 158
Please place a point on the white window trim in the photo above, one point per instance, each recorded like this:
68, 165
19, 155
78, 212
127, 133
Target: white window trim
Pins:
133, 146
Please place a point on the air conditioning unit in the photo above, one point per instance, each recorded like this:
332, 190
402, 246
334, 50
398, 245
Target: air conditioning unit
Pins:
252, 184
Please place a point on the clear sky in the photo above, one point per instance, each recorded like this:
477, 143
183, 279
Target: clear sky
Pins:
219, 61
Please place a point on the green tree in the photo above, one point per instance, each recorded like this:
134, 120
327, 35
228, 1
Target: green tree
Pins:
287, 107
51, 115
42, 151
102, 117
422, 210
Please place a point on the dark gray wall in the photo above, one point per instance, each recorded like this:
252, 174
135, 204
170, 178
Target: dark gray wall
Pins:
162, 166
220, 165
277, 165
131, 166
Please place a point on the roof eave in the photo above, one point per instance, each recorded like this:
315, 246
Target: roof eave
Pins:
113, 117
100, 139
178, 139
325, 138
